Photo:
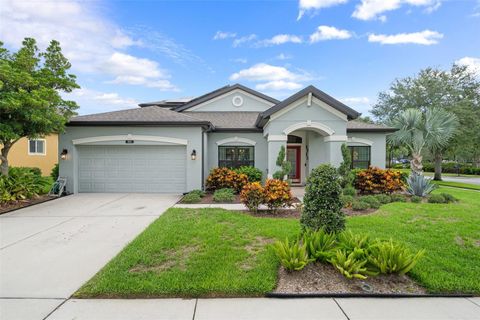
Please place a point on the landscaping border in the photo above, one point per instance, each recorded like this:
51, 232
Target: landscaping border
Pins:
365, 295
33, 204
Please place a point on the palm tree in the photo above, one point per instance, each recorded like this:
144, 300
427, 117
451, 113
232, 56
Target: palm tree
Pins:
419, 130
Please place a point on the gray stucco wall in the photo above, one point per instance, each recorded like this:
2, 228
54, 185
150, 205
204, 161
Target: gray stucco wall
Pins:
378, 149
260, 148
224, 103
69, 167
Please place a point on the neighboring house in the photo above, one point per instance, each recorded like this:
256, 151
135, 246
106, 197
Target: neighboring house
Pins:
40, 153
170, 146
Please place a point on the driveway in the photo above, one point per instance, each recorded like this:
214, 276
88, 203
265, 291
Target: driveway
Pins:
49, 250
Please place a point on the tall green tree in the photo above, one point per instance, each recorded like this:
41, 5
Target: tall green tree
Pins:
419, 130
31, 87
456, 90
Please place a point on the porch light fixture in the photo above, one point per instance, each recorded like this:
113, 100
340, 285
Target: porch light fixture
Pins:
194, 154
63, 155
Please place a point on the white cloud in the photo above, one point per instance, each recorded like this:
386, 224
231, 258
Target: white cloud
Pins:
473, 64
92, 43
239, 41
283, 56
313, 5
278, 85
221, 35
240, 60
280, 39
97, 101
356, 100
426, 37
329, 33
374, 9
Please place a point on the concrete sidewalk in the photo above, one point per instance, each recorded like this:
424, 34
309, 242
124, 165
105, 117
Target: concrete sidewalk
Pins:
252, 308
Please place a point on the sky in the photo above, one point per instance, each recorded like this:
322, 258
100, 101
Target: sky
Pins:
128, 52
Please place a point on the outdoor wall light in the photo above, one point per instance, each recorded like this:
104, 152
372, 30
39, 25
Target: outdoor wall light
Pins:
194, 154
63, 155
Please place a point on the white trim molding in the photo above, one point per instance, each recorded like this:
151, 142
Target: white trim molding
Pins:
44, 153
335, 138
309, 101
277, 137
236, 140
130, 137
315, 126
360, 140
234, 92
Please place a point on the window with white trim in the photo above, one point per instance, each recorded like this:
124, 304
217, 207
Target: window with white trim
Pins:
235, 157
360, 156
36, 146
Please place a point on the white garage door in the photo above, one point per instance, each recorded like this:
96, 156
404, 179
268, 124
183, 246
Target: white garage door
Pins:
132, 169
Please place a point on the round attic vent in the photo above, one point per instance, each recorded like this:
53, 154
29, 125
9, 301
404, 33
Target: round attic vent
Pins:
237, 101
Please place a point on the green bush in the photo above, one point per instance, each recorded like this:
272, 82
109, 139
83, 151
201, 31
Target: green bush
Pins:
285, 166
398, 198
320, 244
322, 202
383, 198
350, 241
390, 257
344, 170
416, 199
349, 191
292, 256
22, 184
191, 198
436, 198
55, 172
372, 201
224, 195
360, 205
351, 265
347, 201
448, 197
253, 174
200, 193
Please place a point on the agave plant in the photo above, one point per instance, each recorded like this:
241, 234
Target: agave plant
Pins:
418, 185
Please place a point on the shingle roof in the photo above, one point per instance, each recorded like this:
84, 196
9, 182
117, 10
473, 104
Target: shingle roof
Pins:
227, 120
359, 126
146, 115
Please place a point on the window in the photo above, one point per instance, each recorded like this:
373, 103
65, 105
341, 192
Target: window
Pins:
36, 146
360, 157
234, 157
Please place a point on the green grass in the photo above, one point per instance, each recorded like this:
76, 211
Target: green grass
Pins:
214, 252
455, 184
202, 252
446, 174
450, 233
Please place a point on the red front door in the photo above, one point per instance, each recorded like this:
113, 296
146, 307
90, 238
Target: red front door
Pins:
294, 157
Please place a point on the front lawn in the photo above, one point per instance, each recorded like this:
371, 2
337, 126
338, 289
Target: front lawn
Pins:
456, 184
214, 252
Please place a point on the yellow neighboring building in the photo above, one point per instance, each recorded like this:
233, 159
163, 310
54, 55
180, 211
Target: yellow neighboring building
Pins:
41, 153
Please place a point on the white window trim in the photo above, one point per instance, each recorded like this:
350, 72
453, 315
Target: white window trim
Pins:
309, 124
37, 153
360, 140
236, 140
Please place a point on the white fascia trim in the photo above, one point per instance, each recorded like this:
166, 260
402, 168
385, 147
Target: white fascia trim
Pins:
236, 140
360, 140
277, 137
236, 91
316, 126
309, 100
330, 109
280, 113
335, 138
130, 137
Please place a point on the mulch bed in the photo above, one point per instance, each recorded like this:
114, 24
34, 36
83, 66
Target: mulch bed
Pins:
319, 278
350, 212
7, 207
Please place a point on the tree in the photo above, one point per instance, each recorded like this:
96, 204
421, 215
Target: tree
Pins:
285, 166
31, 83
418, 131
456, 90
344, 170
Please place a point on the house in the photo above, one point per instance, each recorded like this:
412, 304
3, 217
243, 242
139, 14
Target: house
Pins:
41, 153
170, 146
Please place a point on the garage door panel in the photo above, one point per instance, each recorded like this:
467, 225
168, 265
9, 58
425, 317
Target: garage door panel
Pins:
132, 169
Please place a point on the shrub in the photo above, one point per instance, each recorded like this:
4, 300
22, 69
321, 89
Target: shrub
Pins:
322, 202
376, 180
390, 257
347, 201
55, 172
220, 178
436, 198
383, 198
224, 195
350, 241
349, 191
200, 193
360, 205
418, 185
344, 170
351, 265
320, 244
416, 199
285, 166
22, 183
252, 195
448, 197
253, 174
293, 256
371, 200
398, 198
191, 197
277, 194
